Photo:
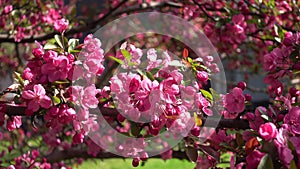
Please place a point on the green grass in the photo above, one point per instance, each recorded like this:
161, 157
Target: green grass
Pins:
126, 164
150, 164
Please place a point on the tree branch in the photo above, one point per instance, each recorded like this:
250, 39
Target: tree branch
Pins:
93, 24
13, 110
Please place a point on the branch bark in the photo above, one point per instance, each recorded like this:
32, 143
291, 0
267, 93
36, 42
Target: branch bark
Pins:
13, 110
93, 24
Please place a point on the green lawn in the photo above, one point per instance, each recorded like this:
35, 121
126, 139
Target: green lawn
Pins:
126, 164
150, 164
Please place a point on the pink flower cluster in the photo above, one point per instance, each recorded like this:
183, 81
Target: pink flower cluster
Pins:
234, 102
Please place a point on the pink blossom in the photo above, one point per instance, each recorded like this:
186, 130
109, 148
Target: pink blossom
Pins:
235, 101
7, 9
36, 98
50, 55
202, 76
253, 159
296, 143
153, 62
57, 69
11, 167
38, 52
134, 84
290, 38
27, 74
66, 114
169, 86
239, 23
270, 63
203, 104
268, 131
61, 25
229, 115
293, 120
13, 123
167, 154
88, 97
285, 155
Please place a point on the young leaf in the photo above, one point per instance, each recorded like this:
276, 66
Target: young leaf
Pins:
206, 94
50, 45
126, 54
266, 162
116, 60
293, 165
150, 76
185, 53
58, 40
72, 44
55, 100
192, 153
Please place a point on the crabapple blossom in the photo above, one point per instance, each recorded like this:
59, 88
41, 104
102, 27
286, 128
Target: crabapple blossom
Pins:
13, 123
36, 98
268, 131
235, 101
57, 68
61, 25
253, 159
292, 119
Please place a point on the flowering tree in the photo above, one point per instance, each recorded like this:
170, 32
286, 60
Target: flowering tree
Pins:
73, 99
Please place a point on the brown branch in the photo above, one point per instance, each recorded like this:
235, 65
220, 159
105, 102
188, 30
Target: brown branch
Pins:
12, 110
93, 24
59, 155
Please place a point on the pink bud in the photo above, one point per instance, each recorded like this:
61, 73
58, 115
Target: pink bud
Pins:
202, 76
78, 138
242, 85
195, 131
38, 52
297, 66
61, 25
248, 97
135, 162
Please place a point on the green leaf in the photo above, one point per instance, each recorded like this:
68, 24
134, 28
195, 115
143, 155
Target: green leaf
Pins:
214, 93
293, 165
190, 60
55, 100
296, 104
154, 71
61, 82
74, 51
206, 94
134, 129
192, 153
72, 44
126, 54
58, 40
266, 117
150, 76
19, 78
116, 60
266, 163
50, 45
